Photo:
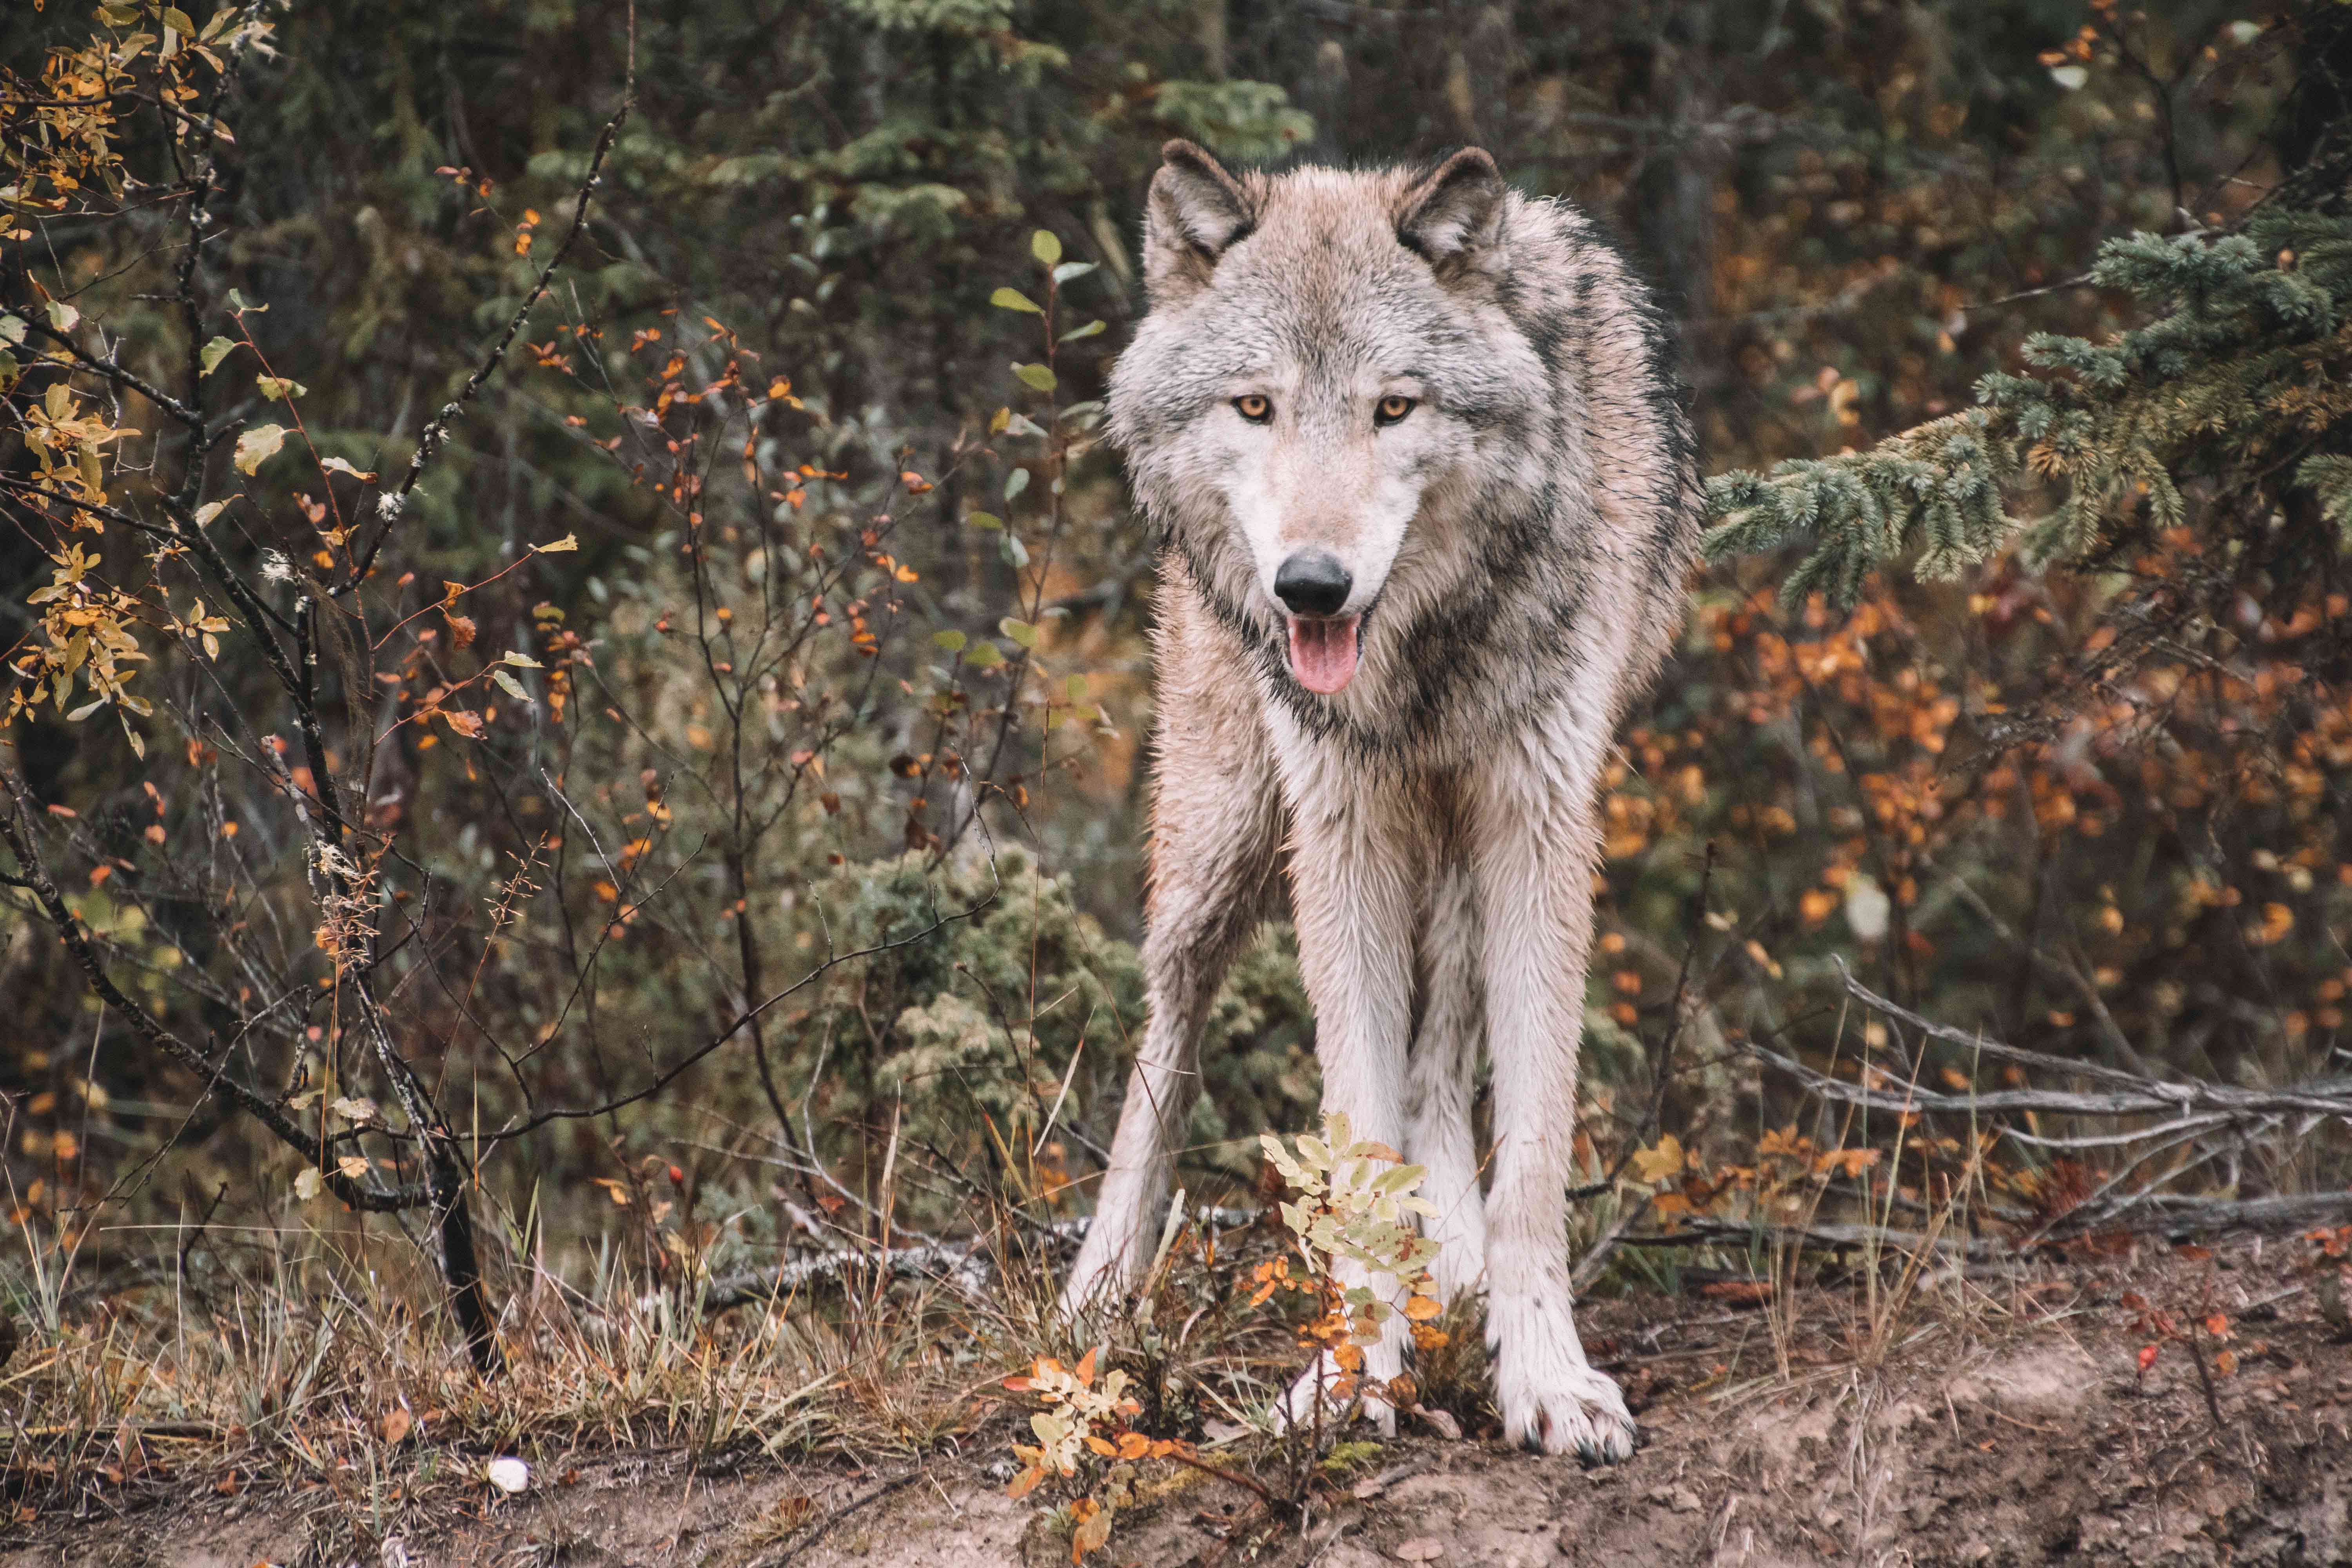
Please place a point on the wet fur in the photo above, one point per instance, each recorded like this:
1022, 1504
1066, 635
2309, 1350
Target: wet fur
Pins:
1520, 559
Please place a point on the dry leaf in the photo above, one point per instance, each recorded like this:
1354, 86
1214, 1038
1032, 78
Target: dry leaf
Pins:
1420, 1549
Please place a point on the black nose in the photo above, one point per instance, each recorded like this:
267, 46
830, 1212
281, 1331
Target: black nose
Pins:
1313, 582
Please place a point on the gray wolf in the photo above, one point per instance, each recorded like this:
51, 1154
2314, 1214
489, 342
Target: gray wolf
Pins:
1417, 451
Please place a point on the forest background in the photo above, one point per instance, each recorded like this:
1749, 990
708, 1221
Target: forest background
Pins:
579, 679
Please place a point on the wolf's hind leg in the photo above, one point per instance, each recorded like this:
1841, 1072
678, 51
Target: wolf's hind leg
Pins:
1534, 841
1440, 1076
1216, 829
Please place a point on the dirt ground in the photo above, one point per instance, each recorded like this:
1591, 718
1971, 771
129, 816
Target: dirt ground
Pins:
2006, 1422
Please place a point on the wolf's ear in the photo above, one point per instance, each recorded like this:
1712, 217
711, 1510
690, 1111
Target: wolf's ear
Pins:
1452, 214
1194, 213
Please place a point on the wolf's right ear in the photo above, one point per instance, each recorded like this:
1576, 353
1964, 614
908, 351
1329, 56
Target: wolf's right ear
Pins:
1196, 212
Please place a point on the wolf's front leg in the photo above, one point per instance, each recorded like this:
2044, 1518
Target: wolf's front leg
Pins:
1360, 852
1534, 842
1438, 1132
1216, 830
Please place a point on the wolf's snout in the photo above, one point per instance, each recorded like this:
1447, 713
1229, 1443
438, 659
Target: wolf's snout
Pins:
1313, 582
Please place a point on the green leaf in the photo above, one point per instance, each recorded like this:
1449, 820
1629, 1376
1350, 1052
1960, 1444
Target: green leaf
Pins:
1016, 554
209, 511
984, 655
63, 316
1045, 247
1014, 299
1014, 483
1089, 330
11, 329
213, 353
1021, 631
237, 304
510, 685
278, 387
177, 20
1069, 270
951, 639
1036, 375
258, 446
984, 519
1075, 688
85, 710
521, 660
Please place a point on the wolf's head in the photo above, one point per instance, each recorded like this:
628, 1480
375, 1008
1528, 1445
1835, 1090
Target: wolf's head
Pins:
1320, 365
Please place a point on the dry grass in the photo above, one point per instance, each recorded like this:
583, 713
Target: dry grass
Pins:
319, 1362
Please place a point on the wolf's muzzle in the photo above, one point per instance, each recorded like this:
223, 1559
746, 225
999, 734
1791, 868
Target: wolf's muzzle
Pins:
1313, 582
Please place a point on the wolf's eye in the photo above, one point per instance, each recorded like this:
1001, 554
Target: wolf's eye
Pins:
1391, 409
1253, 409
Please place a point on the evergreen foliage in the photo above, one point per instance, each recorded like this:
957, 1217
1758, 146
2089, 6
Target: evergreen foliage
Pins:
2236, 380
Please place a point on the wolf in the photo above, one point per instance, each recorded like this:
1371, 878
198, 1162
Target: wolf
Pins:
1416, 453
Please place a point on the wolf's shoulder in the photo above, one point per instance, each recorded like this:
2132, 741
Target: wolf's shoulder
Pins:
1556, 248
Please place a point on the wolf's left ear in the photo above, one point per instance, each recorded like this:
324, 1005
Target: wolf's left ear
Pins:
1453, 213
1196, 212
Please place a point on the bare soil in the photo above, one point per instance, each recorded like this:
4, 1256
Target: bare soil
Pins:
2007, 1422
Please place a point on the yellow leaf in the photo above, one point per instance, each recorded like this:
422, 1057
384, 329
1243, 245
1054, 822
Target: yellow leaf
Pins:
1664, 1159
258, 446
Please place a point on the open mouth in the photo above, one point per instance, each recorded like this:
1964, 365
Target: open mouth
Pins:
1323, 651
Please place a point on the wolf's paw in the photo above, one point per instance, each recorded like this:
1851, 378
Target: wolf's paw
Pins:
1566, 1409
1295, 1409
1104, 1273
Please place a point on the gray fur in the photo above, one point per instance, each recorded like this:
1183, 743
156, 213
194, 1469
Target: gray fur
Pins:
1517, 543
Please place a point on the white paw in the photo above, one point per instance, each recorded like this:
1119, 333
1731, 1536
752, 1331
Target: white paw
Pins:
1550, 1400
1097, 1285
1296, 1409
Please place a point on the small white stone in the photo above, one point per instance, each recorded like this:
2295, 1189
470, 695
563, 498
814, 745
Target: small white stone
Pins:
509, 1475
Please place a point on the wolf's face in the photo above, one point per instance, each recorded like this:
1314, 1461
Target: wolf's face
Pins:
1311, 385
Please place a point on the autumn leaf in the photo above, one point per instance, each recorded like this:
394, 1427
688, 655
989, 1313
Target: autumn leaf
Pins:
1662, 1159
258, 446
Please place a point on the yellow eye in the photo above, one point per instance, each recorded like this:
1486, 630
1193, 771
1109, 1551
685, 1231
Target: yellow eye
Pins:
1253, 409
1391, 409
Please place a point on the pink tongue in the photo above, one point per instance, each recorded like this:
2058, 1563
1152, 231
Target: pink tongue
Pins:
1323, 653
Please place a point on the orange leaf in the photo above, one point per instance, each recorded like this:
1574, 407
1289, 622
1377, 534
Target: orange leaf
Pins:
1086, 1372
1025, 1482
1421, 1309
1016, 1386
1094, 1528
2147, 1357
1133, 1446
1102, 1447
